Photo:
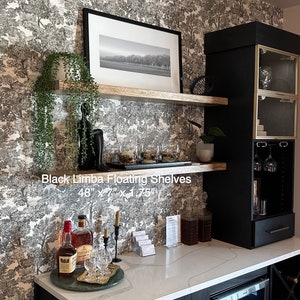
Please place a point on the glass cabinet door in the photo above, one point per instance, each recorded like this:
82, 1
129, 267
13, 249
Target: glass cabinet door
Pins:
276, 94
276, 117
277, 70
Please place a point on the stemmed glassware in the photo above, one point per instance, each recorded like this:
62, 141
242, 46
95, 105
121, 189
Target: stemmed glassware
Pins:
257, 162
270, 164
265, 76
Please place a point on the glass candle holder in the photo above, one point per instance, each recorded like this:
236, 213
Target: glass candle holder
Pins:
169, 153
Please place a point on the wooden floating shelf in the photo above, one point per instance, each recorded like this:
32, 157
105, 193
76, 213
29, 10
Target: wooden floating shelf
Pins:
118, 92
92, 176
123, 93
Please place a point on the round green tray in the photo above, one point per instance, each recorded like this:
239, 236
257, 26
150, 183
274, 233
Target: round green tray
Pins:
72, 284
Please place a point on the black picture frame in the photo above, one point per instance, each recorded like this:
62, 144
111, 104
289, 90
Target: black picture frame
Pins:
124, 52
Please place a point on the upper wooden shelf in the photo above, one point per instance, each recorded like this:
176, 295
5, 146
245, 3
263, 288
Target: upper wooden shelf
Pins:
90, 176
118, 92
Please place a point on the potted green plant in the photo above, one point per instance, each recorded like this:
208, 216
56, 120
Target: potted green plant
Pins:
81, 90
205, 148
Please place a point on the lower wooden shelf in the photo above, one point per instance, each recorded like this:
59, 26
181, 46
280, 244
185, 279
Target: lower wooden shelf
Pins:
92, 176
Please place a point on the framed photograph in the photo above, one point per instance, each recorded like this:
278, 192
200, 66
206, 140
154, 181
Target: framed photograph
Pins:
128, 53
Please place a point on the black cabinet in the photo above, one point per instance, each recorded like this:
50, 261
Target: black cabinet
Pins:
41, 294
284, 277
256, 66
246, 285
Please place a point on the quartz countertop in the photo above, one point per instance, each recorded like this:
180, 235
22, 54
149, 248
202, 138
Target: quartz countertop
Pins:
182, 270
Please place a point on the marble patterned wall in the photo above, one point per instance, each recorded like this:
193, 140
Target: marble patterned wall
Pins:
32, 212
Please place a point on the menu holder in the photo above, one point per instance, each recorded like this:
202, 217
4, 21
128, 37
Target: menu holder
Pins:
141, 244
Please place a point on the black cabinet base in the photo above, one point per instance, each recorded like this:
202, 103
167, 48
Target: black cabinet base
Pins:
285, 276
42, 294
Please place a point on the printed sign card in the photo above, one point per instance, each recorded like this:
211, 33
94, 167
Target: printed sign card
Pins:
172, 231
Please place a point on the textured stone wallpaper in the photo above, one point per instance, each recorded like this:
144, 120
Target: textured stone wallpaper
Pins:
32, 212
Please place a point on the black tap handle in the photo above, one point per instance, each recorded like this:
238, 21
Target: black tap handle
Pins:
98, 148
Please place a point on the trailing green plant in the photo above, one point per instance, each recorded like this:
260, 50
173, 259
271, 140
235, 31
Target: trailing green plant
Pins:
209, 136
81, 90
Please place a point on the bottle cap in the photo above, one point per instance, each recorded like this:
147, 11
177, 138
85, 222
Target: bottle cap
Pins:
82, 217
68, 226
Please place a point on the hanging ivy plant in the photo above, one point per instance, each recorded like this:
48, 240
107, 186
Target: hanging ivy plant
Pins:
81, 90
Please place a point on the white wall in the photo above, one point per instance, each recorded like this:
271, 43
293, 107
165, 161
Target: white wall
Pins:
291, 20
292, 23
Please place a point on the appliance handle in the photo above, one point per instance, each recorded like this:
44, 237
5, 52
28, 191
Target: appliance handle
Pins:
272, 231
243, 291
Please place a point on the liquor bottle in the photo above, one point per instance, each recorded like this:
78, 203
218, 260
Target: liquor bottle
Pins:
289, 278
66, 255
292, 279
82, 239
205, 221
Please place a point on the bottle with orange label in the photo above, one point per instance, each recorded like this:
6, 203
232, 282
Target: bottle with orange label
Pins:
82, 240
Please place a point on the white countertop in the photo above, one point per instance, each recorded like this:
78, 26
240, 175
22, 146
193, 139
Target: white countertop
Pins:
182, 270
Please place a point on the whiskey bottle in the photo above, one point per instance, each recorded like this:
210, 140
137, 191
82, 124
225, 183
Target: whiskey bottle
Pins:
66, 255
82, 239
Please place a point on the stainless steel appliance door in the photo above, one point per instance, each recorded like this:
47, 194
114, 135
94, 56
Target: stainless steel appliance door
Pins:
254, 290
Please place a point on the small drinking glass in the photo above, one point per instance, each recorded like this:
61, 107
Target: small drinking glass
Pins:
91, 265
104, 259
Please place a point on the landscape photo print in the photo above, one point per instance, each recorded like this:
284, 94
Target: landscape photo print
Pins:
123, 52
